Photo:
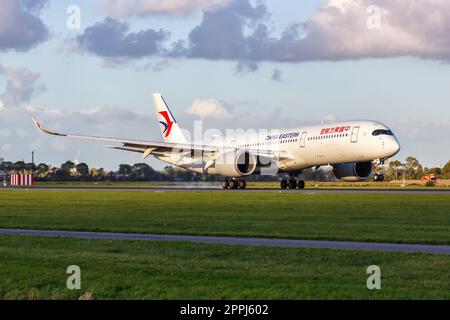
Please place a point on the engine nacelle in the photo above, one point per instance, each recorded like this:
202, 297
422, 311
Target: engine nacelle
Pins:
235, 164
353, 172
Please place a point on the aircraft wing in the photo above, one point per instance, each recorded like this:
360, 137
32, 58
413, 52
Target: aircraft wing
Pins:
161, 148
140, 146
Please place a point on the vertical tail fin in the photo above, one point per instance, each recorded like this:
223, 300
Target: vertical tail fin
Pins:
170, 130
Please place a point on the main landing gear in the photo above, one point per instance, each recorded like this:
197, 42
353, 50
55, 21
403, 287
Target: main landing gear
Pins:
292, 184
234, 184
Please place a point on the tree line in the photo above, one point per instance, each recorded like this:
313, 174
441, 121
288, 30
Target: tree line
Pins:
411, 169
70, 171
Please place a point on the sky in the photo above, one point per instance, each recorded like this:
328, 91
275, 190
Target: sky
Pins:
90, 67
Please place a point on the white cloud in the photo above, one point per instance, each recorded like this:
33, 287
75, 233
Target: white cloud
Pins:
20, 87
21, 27
210, 108
126, 8
339, 30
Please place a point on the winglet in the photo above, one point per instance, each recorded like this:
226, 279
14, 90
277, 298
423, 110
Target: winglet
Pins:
40, 127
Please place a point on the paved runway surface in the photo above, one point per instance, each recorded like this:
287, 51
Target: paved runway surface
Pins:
393, 247
187, 189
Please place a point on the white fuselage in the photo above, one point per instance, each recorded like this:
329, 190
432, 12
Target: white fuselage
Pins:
346, 142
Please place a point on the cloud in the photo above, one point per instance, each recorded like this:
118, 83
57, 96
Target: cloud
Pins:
246, 67
20, 25
210, 108
112, 38
210, 41
276, 75
157, 66
240, 30
339, 30
20, 87
126, 8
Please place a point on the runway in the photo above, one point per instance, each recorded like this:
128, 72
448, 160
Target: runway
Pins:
256, 190
260, 242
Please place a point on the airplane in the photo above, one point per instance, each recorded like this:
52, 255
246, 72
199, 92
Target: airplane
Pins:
354, 149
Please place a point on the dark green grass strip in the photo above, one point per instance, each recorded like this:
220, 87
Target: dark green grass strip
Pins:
376, 218
35, 268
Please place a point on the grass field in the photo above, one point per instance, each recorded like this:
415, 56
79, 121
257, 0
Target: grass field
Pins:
35, 268
381, 218
397, 185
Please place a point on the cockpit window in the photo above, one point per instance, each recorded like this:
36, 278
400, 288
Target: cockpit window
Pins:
380, 132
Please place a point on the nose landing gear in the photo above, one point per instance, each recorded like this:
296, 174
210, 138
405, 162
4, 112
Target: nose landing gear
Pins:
378, 169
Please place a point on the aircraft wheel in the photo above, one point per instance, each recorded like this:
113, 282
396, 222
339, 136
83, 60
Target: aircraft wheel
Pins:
234, 184
381, 177
242, 184
301, 184
225, 184
292, 184
284, 184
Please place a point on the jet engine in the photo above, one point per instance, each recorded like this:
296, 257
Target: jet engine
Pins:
235, 164
353, 172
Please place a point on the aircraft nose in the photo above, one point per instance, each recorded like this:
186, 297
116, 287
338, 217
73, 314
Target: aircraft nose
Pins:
394, 147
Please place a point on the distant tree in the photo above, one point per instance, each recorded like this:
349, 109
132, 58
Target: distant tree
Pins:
413, 168
436, 171
169, 173
19, 166
143, 172
82, 169
60, 175
30, 167
111, 176
125, 169
68, 167
101, 173
93, 172
446, 170
42, 170
395, 166
6, 166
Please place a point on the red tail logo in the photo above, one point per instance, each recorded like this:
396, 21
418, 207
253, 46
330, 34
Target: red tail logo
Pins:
167, 124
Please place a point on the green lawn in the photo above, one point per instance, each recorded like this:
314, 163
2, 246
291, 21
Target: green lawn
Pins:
253, 185
35, 268
384, 218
